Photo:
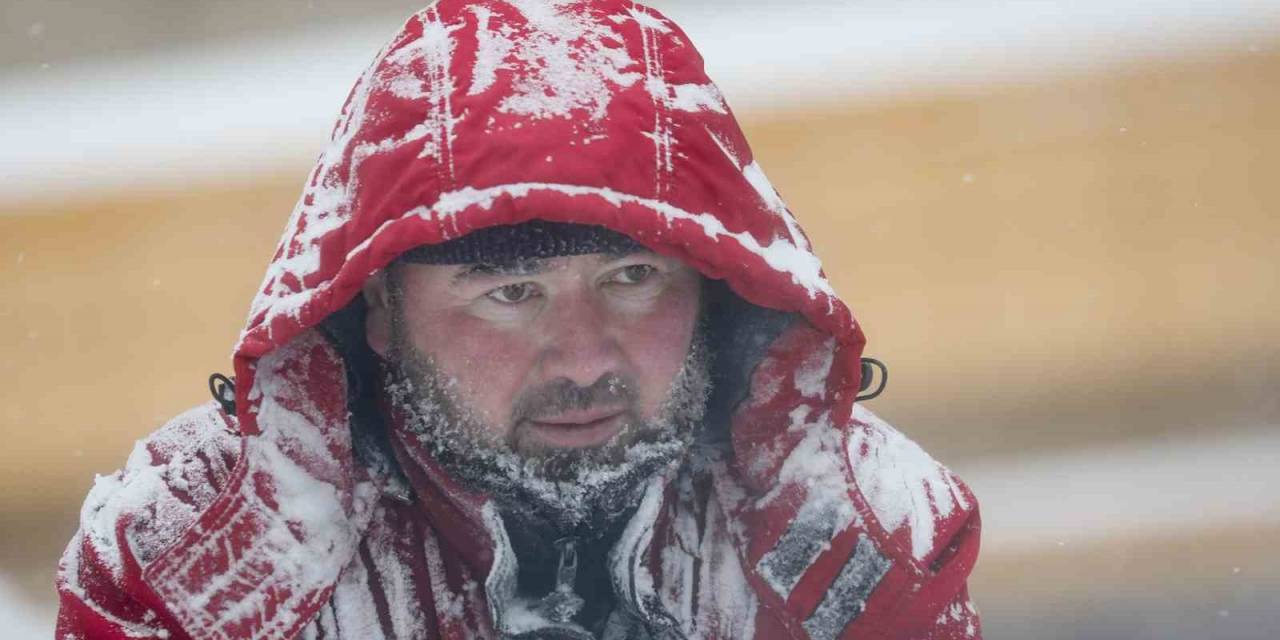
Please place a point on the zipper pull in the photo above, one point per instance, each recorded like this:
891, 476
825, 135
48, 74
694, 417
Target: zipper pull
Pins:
567, 571
562, 604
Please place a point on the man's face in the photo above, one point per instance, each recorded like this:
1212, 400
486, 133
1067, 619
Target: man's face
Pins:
556, 386
549, 355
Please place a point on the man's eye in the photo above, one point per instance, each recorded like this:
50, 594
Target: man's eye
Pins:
634, 274
512, 293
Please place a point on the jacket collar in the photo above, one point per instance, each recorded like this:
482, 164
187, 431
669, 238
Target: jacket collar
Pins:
476, 531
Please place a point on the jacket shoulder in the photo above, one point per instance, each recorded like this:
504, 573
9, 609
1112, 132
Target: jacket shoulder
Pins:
917, 501
169, 479
133, 515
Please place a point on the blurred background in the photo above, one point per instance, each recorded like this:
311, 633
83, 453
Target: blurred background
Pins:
1059, 223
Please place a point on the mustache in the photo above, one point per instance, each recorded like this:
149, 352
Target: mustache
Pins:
562, 394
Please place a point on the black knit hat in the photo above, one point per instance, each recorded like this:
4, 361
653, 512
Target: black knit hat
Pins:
510, 244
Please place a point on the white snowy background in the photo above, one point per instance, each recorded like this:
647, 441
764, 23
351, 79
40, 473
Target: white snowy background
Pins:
131, 98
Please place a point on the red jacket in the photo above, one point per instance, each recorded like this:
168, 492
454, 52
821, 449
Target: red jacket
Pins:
819, 521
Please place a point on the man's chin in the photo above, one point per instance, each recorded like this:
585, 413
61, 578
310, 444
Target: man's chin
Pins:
571, 465
572, 487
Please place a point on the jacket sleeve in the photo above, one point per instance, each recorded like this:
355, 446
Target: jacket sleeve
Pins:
930, 524
848, 529
130, 517
958, 620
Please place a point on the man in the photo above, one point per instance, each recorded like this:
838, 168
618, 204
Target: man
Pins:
541, 354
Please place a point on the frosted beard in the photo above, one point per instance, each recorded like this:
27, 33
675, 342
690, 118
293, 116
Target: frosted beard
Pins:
555, 491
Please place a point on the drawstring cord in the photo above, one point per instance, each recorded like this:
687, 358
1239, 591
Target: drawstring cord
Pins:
223, 390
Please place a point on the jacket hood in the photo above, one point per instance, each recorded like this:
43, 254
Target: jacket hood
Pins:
496, 112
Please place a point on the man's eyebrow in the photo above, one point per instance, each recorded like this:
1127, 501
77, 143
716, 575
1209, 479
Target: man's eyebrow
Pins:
531, 266
618, 254
525, 267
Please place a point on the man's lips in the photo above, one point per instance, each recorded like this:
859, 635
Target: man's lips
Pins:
575, 429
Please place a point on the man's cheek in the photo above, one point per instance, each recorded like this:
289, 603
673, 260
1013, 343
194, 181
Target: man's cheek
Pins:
486, 392
660, 366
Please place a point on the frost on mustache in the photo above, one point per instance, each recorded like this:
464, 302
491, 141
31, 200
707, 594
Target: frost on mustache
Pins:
564, 489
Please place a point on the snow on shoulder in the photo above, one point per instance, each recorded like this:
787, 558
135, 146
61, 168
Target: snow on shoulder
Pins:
162, 489
903, 485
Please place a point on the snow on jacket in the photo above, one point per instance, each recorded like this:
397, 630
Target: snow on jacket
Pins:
821, 521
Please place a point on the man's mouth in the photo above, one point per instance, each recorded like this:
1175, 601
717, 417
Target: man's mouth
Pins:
578, 428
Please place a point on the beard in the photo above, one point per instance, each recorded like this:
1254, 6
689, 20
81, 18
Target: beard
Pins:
554, 491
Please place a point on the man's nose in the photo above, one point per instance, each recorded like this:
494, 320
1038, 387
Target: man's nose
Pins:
581, 343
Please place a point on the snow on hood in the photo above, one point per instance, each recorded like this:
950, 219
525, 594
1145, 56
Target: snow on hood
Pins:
487, 113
